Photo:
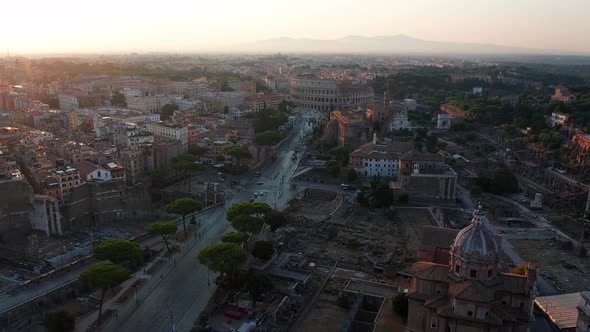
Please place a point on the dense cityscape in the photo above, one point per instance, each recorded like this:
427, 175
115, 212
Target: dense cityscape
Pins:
287, 190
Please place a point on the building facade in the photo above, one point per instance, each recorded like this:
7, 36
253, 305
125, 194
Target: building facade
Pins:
170, 132
469, 293
322, 95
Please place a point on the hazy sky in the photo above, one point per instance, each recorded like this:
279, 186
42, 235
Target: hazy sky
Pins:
203, 25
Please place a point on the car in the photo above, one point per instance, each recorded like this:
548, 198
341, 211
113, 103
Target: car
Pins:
259, 183
258, 174
255, 194
262, 194
221, 180
234, 182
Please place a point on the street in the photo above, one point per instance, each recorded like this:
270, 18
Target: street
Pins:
175, 301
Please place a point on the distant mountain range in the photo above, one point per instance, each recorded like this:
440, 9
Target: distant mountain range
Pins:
398, 44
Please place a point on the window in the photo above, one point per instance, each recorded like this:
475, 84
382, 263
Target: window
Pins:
489, 273
473, 273
433, 322
470, 313
457, 268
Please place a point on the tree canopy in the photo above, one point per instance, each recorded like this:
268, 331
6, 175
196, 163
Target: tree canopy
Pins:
383, 196
269, 120
118, 99
184, 207
167, 111
267, 138
117, 250
263, 250
234, 237
257, 209
275, 220
222, 257
164, 229
104, 275
186, 163
341, 153
239, 153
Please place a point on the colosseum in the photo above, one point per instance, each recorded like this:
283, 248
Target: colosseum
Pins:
319, 94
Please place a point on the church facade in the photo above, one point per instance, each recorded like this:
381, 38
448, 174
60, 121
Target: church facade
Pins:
469, 294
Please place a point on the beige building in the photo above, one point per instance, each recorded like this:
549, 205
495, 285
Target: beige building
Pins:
321, 94
171, 132
425, 176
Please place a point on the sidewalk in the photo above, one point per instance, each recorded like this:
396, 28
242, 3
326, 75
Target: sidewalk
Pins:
86, 321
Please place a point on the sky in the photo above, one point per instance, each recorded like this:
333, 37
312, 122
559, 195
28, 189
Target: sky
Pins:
60, 26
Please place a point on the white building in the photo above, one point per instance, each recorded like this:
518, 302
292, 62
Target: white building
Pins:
557, 118
400, 121
188, 104
149, 104
443, 121
410, 104
238, 111
68, 102
171, 132
378, 158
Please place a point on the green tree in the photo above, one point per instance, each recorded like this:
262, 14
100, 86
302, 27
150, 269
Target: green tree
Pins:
275, 220
333, 168
164, 229
399, 304
257, 283
158, 176
257, 209
167, 111
183, 207
234, 237
383, 196
341, 153
117, 250
239, 153
222, 257
352, 176
248, 217
361, 198
263, 250
104, 275
247, 224
59, 321
331, 232
504, 182
118, 99
198, 150
268, 138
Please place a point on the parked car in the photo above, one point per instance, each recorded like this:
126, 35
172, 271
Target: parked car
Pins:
259, 183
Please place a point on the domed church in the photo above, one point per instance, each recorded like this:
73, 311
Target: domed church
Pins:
469, 294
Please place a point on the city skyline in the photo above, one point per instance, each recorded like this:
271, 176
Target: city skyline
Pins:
183, 26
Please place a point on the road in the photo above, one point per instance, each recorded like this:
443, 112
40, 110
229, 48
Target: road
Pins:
175, 301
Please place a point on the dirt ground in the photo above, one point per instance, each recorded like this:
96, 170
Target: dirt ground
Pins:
567, 272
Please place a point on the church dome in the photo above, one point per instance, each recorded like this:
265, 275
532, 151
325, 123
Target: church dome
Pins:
476, 239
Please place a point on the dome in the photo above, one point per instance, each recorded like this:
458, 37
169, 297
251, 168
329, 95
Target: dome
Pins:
476, 239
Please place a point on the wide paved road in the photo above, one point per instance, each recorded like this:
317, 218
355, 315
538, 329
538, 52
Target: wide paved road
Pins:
176, 302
